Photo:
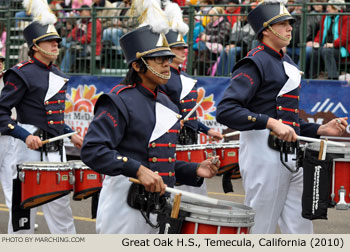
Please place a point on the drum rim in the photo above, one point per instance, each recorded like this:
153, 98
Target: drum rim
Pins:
44, 166
226, 224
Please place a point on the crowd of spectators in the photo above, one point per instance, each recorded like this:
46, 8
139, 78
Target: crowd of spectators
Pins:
221, 34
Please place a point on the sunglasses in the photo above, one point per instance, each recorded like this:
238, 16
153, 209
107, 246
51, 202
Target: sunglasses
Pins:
162, 59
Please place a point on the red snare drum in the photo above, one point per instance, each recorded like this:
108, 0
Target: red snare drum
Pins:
43, 182
230, 218
190, 153
87, 181
228, 155
340, 179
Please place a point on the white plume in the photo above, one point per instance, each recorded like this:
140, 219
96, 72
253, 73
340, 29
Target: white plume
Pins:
40, 11
276, 1
150, 13
174, 14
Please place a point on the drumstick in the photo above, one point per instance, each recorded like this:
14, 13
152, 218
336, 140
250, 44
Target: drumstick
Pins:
320, 154
176, 206
231, 134
315, 140
58, 137
193, 196
193, 110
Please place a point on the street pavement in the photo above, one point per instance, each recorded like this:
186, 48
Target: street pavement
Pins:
338, 220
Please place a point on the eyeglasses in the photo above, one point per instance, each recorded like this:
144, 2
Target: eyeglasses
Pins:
162, 59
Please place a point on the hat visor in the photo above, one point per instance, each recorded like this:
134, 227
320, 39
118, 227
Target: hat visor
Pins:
181, 44
50, 37
160, 53
283, 18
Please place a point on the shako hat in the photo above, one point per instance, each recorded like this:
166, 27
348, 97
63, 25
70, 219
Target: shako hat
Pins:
268, 12
178, 29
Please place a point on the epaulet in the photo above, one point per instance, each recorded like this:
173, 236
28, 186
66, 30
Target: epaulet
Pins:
120, 87
255, 50
23, 63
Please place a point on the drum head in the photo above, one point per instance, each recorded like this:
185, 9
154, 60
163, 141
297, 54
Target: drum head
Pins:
44, 166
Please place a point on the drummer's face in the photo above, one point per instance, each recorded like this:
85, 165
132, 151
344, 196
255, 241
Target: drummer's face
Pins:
160, 65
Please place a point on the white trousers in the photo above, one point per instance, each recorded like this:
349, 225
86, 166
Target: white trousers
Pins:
271, 190
114, 216
57, 213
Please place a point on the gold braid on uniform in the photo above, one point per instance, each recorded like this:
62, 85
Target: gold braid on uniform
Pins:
162, 76
46, 52
278, 35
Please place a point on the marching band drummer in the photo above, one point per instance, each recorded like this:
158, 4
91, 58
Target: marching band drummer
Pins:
181, 88
134, 134
264, 96
36, 88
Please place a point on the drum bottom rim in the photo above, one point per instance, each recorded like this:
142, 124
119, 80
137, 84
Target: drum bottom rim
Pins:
95, 190
31, 199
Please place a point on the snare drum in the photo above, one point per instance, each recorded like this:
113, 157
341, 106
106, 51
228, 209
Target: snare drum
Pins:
87, 181
190, 153
228, 155
43, 182
228, 218
340, 179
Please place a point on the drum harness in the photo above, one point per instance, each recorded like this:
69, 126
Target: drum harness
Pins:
149, 202
49, 147
286, 148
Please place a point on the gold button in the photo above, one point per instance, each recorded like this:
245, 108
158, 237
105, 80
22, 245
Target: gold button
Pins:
59, 101
50, 112
298, 97
62, 122
185, 110
253, 119
294, 123
296, 110
156, 172
61, 111
170, 145
280, 107
249, 118
178, 116
153, 145
182, 101
193, 99
170, 174
170, 160
119, 157
11, 126
280, 120
154, 159
125, 159
51, 122
66, 80
47, 103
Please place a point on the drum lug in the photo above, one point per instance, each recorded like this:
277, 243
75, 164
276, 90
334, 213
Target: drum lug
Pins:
189, 156
21, 176
58, 178
81, 176
223, 154
102, 177
71, 178
38, 177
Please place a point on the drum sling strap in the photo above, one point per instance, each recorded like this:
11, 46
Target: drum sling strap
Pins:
187, 136
49, 147
317, 175
148, 202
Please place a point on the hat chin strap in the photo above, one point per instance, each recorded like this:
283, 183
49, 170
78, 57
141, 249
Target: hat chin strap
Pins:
278, 35
45, 52
162, 76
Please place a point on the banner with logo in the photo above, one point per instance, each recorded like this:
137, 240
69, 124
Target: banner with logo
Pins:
320, 101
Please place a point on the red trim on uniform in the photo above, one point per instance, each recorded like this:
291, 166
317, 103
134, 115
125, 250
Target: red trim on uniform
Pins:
62, 91
47, 66
287, 109
184, 101
55, 112
129, 86
187, 110
54, 102
162, 145
273, 50
261, 48
55, 122
290, 96
192, 118
115, 87
291, 123
193, 91
177, 69
12, 85
166, 174
162, 160
173, 131
154, 94
25, 63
